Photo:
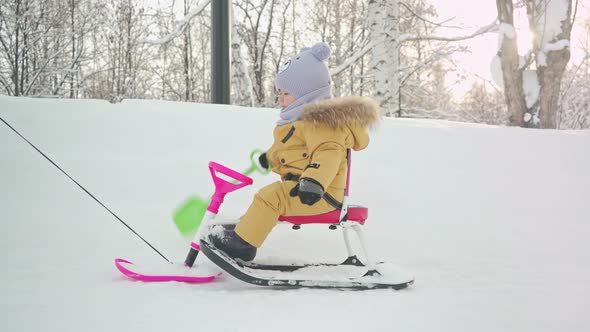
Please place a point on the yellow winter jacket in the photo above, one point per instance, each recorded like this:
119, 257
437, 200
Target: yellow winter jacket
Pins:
312, 147
315, 145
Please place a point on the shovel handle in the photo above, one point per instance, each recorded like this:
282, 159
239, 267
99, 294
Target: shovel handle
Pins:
222, 186
255, 166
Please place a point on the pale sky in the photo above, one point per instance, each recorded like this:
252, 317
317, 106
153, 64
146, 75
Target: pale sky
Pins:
471, 15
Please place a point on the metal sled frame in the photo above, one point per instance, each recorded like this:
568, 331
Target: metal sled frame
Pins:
349, 217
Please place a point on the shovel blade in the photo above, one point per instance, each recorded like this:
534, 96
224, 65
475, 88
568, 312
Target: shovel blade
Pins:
189, 215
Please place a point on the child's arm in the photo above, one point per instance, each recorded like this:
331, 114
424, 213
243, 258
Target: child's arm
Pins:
326, 148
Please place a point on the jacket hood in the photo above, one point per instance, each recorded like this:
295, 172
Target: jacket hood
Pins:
344, 111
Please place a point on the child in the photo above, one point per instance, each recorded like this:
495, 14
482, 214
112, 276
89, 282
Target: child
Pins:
309, 152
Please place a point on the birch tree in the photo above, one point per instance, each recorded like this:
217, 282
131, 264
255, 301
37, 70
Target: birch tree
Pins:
383, 43
242, 90
383, 20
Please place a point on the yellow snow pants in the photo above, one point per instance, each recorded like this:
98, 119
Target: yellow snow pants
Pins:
273, 201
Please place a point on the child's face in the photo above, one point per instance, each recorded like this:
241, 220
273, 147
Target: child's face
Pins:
285, 99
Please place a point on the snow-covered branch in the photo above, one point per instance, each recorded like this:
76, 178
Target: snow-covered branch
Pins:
493, 27
353, 58
47, 61
182, 24
6, 86
420, 17
426, 62
7, 52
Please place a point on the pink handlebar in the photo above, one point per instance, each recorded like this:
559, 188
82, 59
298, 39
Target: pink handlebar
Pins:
222, 186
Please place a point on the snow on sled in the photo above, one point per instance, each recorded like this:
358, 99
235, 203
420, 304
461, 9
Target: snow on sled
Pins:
313, 276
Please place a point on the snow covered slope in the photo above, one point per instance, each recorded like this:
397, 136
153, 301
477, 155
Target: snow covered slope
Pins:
494, 223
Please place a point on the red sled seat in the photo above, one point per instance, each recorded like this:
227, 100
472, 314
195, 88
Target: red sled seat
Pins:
356, 213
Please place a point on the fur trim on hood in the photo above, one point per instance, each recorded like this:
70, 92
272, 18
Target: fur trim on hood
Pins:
339, 112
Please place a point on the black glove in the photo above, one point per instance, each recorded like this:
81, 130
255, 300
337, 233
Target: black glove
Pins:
263, 161
309, 191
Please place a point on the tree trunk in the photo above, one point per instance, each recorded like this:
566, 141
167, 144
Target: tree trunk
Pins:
511, 71
550, 80
383, 20
186, 54
337, 42
242, 83
551, 24
551, 59
351, 46
15, 73
128, 81
72, 22
25, 49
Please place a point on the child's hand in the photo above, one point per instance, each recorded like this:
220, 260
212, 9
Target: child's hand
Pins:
309, 191
263, 161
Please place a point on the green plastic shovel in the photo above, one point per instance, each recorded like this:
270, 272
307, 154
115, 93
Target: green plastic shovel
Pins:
187, 217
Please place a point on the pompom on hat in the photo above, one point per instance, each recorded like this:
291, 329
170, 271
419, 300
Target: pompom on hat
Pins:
321, 51
305, 73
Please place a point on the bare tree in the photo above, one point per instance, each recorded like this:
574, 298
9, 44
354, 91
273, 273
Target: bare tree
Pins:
41, 43
187, 56
532, 94
279, 41
483, 104
258, 17
574, 106
182, 71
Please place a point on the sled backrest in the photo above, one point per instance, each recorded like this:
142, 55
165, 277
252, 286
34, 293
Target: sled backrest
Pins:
355, 213
348, 164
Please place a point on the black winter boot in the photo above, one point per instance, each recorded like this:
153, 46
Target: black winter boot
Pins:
225, 239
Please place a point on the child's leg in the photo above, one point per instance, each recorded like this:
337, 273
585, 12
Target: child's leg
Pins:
269, 203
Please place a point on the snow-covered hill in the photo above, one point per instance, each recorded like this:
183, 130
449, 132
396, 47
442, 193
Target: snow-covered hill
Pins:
493, 222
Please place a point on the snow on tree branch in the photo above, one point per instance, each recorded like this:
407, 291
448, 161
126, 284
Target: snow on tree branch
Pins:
549, 16
507, 30
441, 24
47, 61
352, 59
558, 45
180, 28
493, 27
6, 86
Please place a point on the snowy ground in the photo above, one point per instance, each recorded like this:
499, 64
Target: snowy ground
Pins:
493, 222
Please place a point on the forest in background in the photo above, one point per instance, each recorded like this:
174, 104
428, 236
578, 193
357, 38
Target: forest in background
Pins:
388, 49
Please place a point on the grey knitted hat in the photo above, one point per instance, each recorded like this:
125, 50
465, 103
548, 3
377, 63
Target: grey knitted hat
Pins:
305, 73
